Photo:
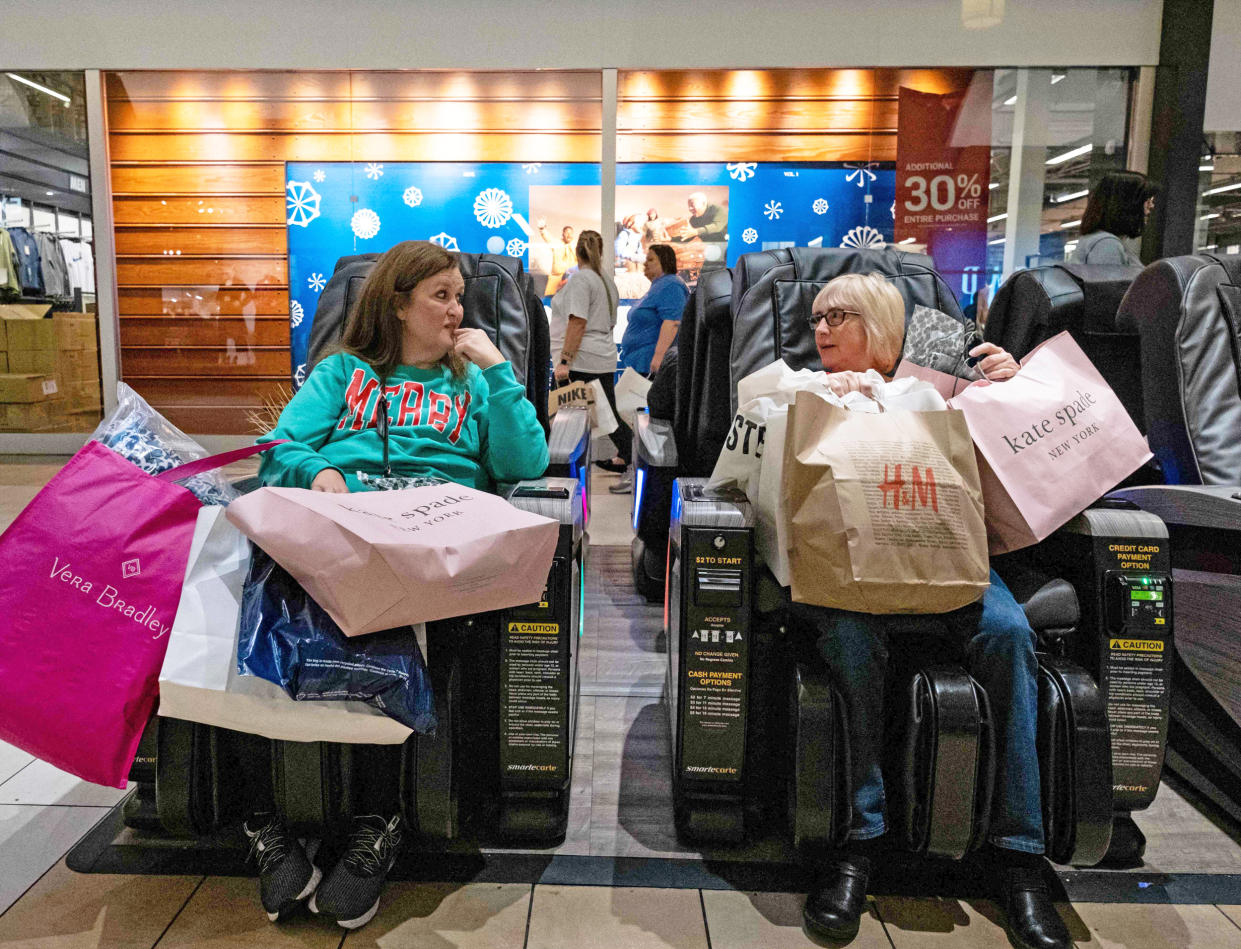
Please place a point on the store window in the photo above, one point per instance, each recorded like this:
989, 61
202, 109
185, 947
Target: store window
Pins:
928, 160
1219, 195
235, 194
49, 340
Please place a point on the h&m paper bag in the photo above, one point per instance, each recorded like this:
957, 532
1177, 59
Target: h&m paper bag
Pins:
380, 559
884, 510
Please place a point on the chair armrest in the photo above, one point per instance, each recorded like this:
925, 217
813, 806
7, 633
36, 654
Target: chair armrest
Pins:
1188, 505
569, 439
654, 445
557, 498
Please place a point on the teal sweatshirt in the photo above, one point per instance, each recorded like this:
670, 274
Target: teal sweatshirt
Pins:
475, 431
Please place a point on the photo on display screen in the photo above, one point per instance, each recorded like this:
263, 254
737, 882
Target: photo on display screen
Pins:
709, 212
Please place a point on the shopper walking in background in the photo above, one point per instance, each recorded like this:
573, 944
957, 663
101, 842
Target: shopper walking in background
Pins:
582, 329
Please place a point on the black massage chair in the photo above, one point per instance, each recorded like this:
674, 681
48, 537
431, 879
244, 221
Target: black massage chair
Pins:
479, 774
772, 742
1186, 312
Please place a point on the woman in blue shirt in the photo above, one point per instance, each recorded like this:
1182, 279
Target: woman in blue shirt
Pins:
654, 321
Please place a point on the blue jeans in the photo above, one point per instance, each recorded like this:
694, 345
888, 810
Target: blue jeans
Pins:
999, 653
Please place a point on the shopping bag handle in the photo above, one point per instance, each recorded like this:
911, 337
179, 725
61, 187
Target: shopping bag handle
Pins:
211, 462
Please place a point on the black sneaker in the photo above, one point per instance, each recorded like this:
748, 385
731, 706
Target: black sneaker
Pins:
286, 875
350, 894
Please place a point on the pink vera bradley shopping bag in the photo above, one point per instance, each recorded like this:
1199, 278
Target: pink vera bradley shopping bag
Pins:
1051, 441
90, 579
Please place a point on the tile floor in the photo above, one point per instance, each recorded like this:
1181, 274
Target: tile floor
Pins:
620, 806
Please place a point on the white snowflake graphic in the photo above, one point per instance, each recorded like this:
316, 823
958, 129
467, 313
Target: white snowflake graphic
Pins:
365, 223
316, 282
319, 175
299, 376
374, 170
493, 208
749, 235
296, 314
302, 202
516, 247
412, 196
445, 240
532, 167
820, 206
863, 236
741, 170
773, 210
861, 174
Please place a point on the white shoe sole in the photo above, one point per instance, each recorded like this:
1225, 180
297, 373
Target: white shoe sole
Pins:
361, 920
313, 885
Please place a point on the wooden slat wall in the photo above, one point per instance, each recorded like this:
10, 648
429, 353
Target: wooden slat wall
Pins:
198, 200
767, 115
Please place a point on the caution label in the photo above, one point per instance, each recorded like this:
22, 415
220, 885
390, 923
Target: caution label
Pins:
549, 629
1136, 645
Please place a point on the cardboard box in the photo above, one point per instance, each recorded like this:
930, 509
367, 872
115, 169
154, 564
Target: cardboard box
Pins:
30, 334
84, 420
4, 362
27, 387
77, 365
24, 311
39, 361
81, 396
76, 331
30, 417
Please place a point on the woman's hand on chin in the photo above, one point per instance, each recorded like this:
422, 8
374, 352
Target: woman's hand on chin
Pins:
842, 383
477, 347
994, 363
330, 481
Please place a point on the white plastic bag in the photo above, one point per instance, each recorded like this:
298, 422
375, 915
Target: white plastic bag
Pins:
631, 390
601, 412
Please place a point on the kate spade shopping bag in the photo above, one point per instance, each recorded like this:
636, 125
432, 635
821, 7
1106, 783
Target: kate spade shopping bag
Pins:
381, 559
92, 577
1051, 441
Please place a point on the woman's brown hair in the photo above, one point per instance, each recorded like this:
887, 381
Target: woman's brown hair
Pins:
373, 333
590, 255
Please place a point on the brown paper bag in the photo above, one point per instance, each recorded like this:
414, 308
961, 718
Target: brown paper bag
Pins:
885, 511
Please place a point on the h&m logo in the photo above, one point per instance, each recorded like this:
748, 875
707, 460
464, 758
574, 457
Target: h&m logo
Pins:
920, 489
130, 568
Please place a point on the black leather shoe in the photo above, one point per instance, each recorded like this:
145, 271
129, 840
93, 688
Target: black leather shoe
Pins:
834, 909
1033, 922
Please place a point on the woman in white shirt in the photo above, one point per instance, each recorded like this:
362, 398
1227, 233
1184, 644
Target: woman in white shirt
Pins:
583, 338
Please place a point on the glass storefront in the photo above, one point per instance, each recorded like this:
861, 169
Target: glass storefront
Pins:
1219, 200
235, 193
49, 341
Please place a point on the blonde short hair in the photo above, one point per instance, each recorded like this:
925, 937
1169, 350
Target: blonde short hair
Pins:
882, 308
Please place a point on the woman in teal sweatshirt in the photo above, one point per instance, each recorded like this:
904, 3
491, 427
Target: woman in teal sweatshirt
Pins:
454, 408
453, 411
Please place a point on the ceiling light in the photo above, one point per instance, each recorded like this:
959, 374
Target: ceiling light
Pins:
993, 186
34, 85
998, 217
1011, 100
998, 240
1208, 217
1072, 196
1222, 188
1070, 154
1206, 167
1071, 223
1056, 77
907, 240
50, 193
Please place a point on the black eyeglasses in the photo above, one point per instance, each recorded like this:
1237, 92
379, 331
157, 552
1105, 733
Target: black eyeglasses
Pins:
835, 316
